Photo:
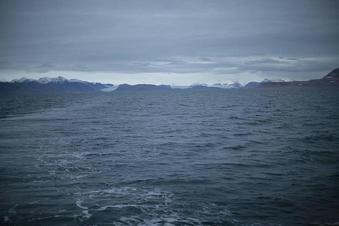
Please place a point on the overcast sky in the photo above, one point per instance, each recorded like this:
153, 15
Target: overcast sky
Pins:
169, 42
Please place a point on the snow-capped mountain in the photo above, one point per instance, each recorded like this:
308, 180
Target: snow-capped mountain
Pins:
272, 80
227, 85
234, 85
57, 84
58, 79
23, 79
45, 80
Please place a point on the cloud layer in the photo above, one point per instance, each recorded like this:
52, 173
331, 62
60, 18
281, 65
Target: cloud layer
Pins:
287, 39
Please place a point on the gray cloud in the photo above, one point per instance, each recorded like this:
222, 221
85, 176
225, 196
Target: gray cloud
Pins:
291, 39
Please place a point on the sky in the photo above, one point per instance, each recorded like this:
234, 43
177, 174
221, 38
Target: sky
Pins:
177, 42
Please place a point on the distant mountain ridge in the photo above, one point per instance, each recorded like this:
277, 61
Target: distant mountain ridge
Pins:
331, 79
333, 76
143, 87
150, 87
61, 84
51, 85
233, 85
45, 80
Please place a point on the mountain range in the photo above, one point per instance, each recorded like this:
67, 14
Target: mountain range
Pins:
331, 79
51, 85
61, 84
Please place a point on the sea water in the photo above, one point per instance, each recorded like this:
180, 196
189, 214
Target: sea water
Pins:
181, 157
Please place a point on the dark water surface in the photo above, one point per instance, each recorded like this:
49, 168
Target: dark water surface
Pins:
229, 157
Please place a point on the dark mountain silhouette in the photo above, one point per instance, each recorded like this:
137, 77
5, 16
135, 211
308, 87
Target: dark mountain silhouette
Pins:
143, 87
203, 87
331, 79
150, 87
333, 76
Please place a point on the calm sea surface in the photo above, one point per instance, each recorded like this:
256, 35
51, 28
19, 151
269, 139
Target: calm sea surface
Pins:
228, 157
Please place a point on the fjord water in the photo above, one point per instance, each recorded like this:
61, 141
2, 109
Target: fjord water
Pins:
213, 157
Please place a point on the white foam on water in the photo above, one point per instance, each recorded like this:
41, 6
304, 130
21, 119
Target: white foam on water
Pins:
6, 219
120, 206
174, 219
157, 207
85, 213
150, 201
79, 204
115, 191
12, 210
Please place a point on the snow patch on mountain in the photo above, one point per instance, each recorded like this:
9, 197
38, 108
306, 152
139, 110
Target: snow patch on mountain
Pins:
23, 79
45, 80
232, 85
